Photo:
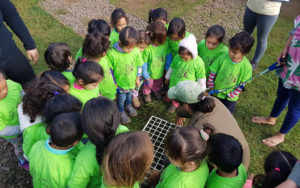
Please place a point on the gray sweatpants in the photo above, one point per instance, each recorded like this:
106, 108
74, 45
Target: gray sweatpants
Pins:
264, 25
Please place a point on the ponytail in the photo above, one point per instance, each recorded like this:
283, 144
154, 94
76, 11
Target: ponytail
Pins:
100, 120
205, 105
278, 166
88, 71
102, 143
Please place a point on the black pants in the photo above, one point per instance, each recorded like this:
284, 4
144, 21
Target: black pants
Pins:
17, 68
229, 104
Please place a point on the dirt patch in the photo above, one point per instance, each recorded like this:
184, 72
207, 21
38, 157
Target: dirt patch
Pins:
11, 175
76, 13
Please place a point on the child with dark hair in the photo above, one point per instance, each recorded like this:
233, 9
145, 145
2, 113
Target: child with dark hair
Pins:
127, 159
60, 103
96, 26
278, 166
51, 161
210, 48
95, 47
119, 20
158, 15
101, 122
10, 97
58, 57
232, 69
226, 154
155, 58
55, 78
143, 41
126, 62
30, 113
88, 76
176, 32
187, 65
186, 150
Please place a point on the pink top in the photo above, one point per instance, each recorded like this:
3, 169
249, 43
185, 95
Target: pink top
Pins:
290, 74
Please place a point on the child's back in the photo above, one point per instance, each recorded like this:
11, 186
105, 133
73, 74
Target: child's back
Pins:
216, 181
51, 161
172, 177
50, 167
96, 122
226, 154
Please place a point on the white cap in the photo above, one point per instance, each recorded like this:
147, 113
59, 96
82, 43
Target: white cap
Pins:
190, 43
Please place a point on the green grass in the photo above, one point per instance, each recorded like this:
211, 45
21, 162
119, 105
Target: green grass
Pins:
257, 100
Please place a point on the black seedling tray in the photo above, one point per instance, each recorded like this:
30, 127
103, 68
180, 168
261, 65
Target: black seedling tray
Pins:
158, 129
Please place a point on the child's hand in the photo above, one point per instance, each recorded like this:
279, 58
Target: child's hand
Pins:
283, 56
138, 82
167, 81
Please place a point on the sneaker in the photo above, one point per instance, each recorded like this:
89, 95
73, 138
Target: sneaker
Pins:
124, 118
131, 111
136, 102
147, 98
172, 109
24, 165
157, 96
254, 65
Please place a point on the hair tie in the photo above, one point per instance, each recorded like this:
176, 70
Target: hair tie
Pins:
204, 135
277, 169
56, 93
84, 60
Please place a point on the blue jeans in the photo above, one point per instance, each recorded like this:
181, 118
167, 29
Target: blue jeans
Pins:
264, 25
230, 105
124, 99
286, 97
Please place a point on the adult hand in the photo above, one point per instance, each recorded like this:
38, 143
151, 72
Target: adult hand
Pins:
33, 55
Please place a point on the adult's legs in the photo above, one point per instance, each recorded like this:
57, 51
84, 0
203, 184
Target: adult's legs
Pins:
264, 26
293, 113
279, 105
249, 20
281, 101
18, 69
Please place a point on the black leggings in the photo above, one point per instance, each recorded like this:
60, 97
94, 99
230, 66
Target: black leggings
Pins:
17, 68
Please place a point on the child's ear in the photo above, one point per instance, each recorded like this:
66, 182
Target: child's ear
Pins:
48, 130
70, 60
103, 54
81, 82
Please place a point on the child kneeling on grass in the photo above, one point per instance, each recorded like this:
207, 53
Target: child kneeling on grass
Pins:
226, 154
51, 161
187, 65
232, 69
